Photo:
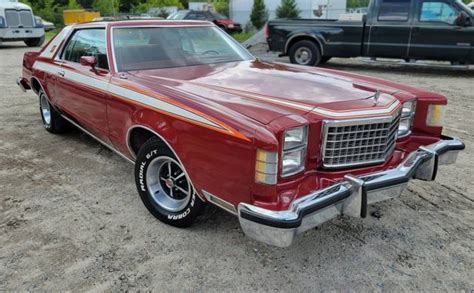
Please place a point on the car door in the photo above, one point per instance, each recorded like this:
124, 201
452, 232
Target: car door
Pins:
435, 34
81, 91
389, 28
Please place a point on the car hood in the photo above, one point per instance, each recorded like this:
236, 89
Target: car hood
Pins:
266, 91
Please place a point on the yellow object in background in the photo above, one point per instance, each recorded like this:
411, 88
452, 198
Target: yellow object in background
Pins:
79, 16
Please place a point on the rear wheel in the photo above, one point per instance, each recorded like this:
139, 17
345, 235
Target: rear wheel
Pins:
35, 42
164, 186
305, 52
52, 120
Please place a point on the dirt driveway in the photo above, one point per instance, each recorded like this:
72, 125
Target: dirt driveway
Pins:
70, 217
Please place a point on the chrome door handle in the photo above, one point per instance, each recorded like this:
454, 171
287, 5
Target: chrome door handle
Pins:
61, 73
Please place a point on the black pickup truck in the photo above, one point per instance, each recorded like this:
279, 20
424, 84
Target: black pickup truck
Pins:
402, 29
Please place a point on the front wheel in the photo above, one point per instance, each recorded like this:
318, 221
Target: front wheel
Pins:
305, 53
164, 186
35, 42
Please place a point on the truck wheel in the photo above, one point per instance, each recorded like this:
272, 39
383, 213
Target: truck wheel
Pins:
52, 120
305, 53
164, 187
36, 42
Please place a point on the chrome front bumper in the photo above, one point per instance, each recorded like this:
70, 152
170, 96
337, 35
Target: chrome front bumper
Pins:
22, 84
348, 197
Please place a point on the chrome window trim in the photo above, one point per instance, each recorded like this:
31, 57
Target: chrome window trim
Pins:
164, 25
60, 52
364, 121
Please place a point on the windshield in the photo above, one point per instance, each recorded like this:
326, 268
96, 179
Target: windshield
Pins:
140, 48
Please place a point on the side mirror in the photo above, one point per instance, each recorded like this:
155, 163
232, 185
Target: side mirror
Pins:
88, 61
463, 19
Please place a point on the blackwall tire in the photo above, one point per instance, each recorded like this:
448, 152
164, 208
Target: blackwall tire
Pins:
52, 120
36, 42
305, 53
164, 187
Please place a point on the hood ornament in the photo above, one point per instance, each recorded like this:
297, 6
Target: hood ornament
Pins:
376, 97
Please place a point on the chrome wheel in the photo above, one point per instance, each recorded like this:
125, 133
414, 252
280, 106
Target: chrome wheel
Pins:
167, 184
303, 55
45, 110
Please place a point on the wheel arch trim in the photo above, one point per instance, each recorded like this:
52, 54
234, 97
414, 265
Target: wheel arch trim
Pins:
304, 35
34, 78
132, 153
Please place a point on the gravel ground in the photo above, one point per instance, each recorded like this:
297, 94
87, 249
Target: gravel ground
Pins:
71, 219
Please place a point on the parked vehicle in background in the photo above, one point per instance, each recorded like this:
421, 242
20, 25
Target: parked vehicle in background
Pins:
404, 29
284, 148
47, 25
220, 20
72, 16
17, 23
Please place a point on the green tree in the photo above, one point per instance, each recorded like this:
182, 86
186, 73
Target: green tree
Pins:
288, 9
221, 6
259, 15
106, 7
49, 10
144, 6
72, 4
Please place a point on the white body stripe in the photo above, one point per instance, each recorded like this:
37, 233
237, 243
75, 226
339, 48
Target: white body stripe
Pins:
317, 110
49, 51
123, 92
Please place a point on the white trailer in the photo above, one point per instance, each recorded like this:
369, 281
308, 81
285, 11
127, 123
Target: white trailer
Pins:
17, 23
316, 9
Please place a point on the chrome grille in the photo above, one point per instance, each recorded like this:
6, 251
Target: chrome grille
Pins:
359, 142
26, 18
20, 18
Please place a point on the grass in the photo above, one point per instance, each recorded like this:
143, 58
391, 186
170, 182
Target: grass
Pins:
242, 37
49, 34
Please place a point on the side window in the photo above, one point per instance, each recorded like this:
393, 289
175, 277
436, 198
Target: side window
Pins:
438, 11
394, 10
191, 15
196, 16
87, 42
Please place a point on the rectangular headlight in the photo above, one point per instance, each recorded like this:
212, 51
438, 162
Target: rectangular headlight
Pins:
293, 161
295, 137
266, 167
294, 150
435, 115
406, 119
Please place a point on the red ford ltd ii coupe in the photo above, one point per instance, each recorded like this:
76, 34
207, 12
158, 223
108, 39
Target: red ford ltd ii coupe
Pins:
283, 147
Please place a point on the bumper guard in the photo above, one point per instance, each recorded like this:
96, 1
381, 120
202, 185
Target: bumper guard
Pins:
348, 197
